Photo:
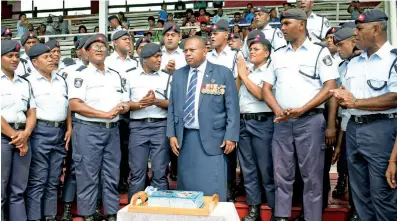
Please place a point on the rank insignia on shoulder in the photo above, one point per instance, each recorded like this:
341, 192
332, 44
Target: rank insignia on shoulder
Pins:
78, 82
327, 60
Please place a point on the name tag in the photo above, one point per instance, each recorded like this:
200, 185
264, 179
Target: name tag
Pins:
213, 89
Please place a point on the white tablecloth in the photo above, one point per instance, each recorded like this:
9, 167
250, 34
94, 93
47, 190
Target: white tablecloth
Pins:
223, 212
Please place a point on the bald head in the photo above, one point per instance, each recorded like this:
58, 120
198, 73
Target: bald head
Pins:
195, 51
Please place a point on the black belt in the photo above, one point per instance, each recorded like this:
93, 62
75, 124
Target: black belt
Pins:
312, 112
365, 119
257, 116
150, 120
52, 123
99, 124
17, 126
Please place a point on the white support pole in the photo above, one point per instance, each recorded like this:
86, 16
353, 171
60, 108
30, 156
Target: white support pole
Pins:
337, 10
392, 23
103, 16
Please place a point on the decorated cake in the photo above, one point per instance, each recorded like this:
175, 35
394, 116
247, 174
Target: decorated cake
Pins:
175, 199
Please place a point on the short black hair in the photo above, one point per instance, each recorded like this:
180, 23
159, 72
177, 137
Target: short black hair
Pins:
203, 23
237, 13
287, 3
202, 9
82, 26
250, 4
189, 10
160, 21
151, 18
20, 16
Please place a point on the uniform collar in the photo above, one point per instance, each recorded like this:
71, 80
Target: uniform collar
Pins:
260, 69
200, 68
38, 76
91, 67
118, 57
267, 27
382, 53
306, 44
16, 77
176, 51
312, 15
157, 73
226, 51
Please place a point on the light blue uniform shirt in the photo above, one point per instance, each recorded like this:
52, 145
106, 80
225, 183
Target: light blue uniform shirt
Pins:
16, 98
24, 68
101, 91
374, 69
248, 102
51, 96
343, 113
292, 74
115, 62
317, 27
226, 58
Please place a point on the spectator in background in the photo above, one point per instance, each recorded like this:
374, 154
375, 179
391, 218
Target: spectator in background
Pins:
163, 15
199, 4
248, 10
82, 29
287, 6
193, 22
114, 23
237, 19
42, 30
180, 5
170, 19
188, 14
237, 30
50, 30
122, 18
250, 16
96, 29
158, 36
22, 25
149, 35
354, 9
203, 16
151, 22
274, 18
31, 29
220, 16
125, 25
204, 31
252, 26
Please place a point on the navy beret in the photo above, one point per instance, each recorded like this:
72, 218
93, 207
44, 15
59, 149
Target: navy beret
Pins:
294, 13
221, 25
252, 34
119, 34
373, 15
349, 25
112, 17
82, 41
9, 46
38, 49
5, 31
259, 38
53, 44
141, 40
171, 27
343, 34
233, 35
26, 36
95, 38
332, 31
261, 9
149, 50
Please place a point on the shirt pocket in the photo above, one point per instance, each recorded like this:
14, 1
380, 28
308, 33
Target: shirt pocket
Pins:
377, 82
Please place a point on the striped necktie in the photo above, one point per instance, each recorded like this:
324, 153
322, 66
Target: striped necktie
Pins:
188, 108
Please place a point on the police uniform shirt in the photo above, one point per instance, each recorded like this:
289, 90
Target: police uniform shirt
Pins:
101, 91
337, 59
363, 72
226, 58
343, 113
51, 97
140, 83
24, 67
114, 61
177, 55
16, 98
248, 102
317, 27
292, 74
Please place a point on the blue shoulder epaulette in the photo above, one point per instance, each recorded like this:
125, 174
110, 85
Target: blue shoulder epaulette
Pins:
82, 67
23, 60
68, 61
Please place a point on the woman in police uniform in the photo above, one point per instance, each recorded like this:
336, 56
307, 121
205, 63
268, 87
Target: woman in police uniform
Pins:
18, 118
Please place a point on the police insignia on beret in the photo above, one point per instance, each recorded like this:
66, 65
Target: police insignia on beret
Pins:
17, 47
78, 82
361, 17
327, 60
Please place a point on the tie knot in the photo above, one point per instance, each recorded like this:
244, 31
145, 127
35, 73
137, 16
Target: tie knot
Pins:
195, 71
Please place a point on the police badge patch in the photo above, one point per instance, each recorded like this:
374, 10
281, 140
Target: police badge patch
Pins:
78, 82
327, 60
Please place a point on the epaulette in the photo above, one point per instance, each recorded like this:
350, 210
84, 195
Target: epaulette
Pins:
394, 51
280, 48
82, 67
131, 69
68, 61
320, 44
25, 76
23, 60
113, 70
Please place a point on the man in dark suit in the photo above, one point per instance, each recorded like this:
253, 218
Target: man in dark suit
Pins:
203, 121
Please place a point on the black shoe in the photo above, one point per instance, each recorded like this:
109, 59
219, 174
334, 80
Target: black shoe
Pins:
240, 190
254, 213
280, 219
49, 218
300, 217
123, 186
98, 216
354, 216
230, 192
340, 188
89, 218
67, 212
112, 218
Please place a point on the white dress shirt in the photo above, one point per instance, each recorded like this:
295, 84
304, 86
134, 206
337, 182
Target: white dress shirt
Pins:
178, 56
226, 58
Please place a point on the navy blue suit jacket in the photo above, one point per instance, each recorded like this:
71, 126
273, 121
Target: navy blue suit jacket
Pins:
218, 115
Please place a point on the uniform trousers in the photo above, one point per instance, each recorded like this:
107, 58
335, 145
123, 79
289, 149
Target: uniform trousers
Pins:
48, 152
97, 157
14, 179
305, 137
369, 146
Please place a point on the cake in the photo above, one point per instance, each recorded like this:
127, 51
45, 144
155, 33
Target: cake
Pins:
176, 199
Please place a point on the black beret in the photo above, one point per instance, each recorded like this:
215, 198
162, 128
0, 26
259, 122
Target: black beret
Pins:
112, 17
119, 34
76, 43
53, 44
349, 25
9, 46
149, 50
261, 9
82, 41
252, 34
221, 25
38, 49
95, 38
171, 27
294, 13
373, 15
233, 35
332, 31
26, 36
343, 34
259, 38
5, 31
141, 40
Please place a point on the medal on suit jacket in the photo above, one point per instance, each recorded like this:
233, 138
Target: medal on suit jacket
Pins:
213, 89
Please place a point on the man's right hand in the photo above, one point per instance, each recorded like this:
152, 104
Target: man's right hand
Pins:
170, 67
174, 145
115, 111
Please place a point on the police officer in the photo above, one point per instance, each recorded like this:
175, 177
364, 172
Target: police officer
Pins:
140, 43
370, 95
149, 89
256, 128
317, 26
18, 118
51, 136
344, 41
55, 51
329, 42
25, 67
234, 41
5, 33
302, 86
273, 35
173, 57
97, 95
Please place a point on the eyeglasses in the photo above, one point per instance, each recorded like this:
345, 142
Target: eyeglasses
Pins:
98, 48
